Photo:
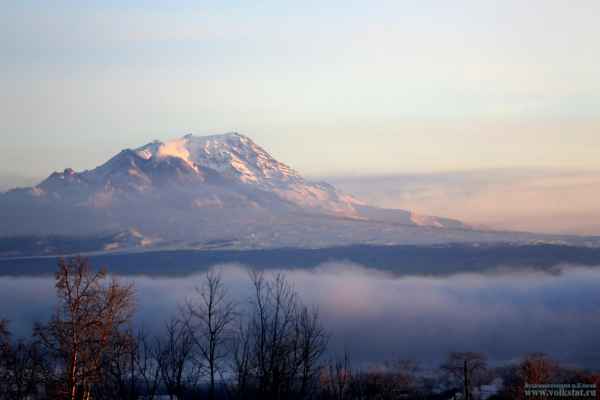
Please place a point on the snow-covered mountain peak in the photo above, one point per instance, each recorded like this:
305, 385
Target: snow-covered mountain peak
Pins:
203, 188
59, 179
147, 151
232, 155
237, 156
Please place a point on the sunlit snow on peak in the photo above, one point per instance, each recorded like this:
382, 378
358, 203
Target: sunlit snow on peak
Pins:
176, 148
203, 187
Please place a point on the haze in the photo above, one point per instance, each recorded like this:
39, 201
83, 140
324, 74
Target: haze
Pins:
535, 200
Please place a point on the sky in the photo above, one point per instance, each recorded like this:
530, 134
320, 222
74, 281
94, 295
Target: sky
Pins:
536, 199
332, 88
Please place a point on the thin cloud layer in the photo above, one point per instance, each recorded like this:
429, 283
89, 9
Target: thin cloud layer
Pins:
377, 316
548, 201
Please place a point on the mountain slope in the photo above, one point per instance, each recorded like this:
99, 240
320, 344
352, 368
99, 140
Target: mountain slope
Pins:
199, 191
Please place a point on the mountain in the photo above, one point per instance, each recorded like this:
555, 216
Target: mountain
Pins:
218, 191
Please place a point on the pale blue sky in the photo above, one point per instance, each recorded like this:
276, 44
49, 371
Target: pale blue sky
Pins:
333, 87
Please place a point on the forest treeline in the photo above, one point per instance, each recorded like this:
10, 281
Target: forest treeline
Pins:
272, 348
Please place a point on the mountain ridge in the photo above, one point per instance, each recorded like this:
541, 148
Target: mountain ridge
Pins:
229, 158
217, 190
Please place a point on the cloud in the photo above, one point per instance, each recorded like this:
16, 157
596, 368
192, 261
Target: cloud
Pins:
537, 200
378, 316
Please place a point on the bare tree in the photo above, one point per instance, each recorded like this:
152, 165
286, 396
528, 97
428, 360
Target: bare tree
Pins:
90, 314
242, 360
176, 358
311, 342
4, 334
212, 315
336, 379
535, 368
4, 343
22, 367
147, 365
464, 369
119, 364
5, 355
273, 323
396, 378
286, 338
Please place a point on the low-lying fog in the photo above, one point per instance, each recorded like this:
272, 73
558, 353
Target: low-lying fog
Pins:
377, 316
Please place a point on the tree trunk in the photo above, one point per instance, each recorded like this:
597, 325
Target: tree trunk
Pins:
73, 376
466, 374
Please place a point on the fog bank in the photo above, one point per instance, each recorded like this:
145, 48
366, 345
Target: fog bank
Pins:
377, 316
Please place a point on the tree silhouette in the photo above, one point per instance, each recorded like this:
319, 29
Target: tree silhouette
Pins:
92, 312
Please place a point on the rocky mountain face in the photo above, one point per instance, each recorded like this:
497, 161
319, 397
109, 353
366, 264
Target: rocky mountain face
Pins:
218, 171
204, 191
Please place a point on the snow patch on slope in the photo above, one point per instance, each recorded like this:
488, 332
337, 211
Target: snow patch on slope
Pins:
425, 220
131, 238
176, 148
237, 157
